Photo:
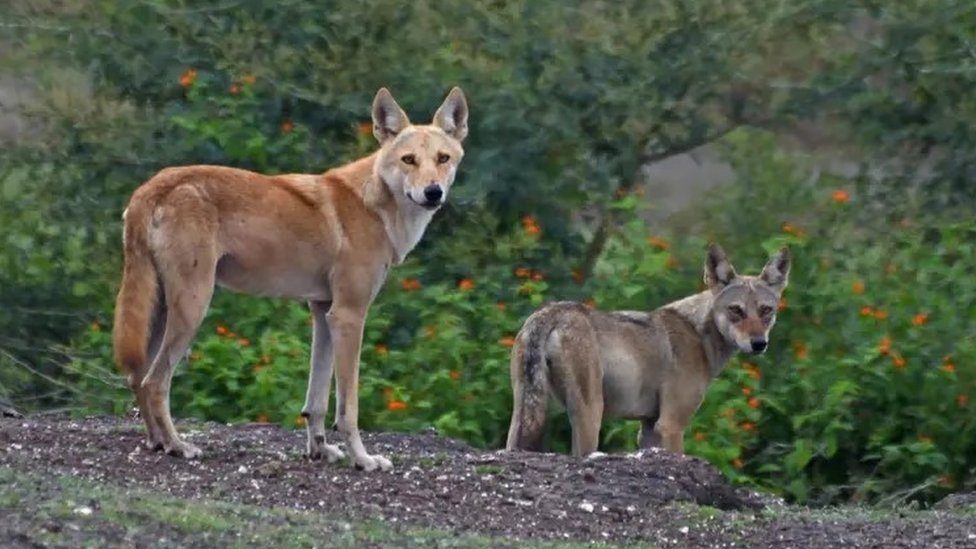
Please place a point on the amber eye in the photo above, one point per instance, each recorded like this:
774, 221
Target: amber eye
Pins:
409, 159
736, 311
443, 158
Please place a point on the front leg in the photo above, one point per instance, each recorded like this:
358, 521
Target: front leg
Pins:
319, 382
346, 326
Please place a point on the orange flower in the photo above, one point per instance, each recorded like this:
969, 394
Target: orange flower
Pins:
857, 287
537, 276
747, 426
523, 272
410, 284
754, 403
455, 375
791, 229
234, 89
249, 79
949, 368
186, 80
962, 400
658, 243
507, 341
501, 305
466, 284
885, 346
737, 463
746, 391
920, 319
800, 350
430, 331
258, 368
782, 304
880, 314
380, 349
222, 330
590, 302
396, 405
244, 342
299, 421
262, 418
898, 361
867, 311
840, 196
699, 436
365, 128
530, 225
287, 126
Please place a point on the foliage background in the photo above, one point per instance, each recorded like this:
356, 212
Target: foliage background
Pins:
848, 126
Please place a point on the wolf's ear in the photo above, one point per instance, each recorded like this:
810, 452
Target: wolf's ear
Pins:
777, 270
388, 118
719, 272
452, 116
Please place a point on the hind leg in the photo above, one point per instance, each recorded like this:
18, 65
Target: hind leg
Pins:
188, 276
579, 367
154, 435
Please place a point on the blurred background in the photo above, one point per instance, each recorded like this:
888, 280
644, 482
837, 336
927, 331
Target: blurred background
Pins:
609, 142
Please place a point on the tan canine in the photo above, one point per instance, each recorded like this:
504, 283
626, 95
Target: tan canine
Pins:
652, 366
326, 239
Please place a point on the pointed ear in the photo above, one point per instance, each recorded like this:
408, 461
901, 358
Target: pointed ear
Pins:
777, 270
452, 116
388, 118
719, 272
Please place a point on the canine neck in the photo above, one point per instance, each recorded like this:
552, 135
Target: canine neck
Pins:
697, 310
403, 221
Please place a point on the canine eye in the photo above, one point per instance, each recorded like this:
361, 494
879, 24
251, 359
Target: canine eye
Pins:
736, 311
765, 310
409, 159
443, 158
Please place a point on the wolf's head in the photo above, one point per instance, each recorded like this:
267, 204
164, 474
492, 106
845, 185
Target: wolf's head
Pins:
744, 307
420, 162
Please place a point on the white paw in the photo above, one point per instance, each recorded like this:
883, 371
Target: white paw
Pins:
319, 449
596, 455
368, 463
183, 450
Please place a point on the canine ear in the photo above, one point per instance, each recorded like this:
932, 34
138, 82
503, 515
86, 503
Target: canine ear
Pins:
777, 270
388, 118
452, 116
719, 272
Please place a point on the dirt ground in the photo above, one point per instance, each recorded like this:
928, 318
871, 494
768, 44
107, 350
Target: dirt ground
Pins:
655, 499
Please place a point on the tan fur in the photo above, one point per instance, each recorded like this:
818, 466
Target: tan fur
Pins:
326, 239
654, 367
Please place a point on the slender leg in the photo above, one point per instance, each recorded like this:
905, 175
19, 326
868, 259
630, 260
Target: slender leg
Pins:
319, 384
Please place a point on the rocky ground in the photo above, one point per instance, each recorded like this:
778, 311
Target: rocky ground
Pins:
88, 482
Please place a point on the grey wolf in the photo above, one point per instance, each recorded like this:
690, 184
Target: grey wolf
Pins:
649, 366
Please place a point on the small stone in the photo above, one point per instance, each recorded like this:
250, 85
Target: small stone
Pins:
586, 506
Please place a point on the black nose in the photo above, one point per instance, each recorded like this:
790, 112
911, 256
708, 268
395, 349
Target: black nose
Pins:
433, 193
758, 344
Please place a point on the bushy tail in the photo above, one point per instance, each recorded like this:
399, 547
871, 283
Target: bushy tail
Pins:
530, 384
138, 299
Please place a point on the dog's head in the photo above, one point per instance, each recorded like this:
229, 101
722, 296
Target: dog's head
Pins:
420, 162
744, 307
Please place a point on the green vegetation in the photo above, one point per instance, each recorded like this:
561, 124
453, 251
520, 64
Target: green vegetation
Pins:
865, 393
